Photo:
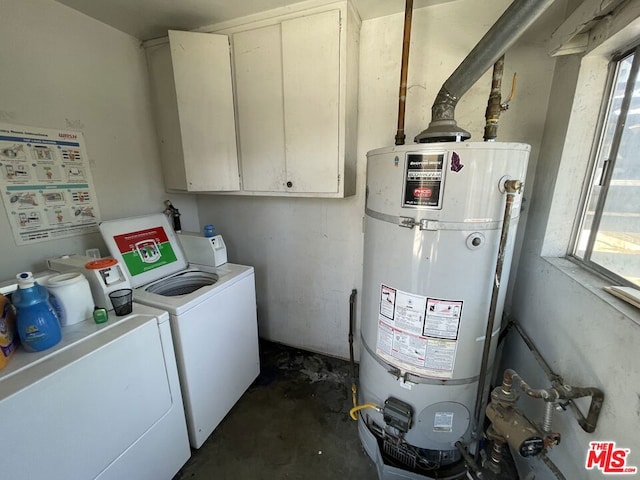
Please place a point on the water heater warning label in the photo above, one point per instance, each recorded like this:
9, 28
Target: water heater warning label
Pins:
418, 334
423, 180
443, 319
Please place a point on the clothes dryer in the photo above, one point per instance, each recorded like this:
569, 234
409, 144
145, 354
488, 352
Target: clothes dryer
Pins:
212, 315
102, 404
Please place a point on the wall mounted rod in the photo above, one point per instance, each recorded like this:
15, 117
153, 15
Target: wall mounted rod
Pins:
551, 375
473, 468
588, 423
511, 377
552, 466
512, 188
560, 391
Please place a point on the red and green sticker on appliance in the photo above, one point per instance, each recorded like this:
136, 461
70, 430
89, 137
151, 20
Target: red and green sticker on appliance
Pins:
145, 250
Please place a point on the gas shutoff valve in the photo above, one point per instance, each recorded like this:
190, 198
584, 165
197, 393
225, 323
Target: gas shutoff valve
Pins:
517, 430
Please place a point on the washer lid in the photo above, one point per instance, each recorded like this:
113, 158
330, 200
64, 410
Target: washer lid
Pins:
146, 247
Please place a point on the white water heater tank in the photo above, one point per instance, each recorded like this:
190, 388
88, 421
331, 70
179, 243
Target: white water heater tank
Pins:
433, 221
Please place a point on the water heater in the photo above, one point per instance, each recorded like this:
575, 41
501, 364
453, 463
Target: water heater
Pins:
433, 221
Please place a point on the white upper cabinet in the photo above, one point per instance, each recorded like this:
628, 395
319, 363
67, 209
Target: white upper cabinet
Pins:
294, 104
296, 93
311, 66
192, 92
260, 106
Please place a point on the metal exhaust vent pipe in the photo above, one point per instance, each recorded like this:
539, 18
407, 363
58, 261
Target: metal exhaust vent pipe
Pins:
514, 22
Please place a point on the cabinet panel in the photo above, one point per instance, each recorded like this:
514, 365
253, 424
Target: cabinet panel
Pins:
202, 73
296, 82
259, 103
163, 93
311, 84
193, 99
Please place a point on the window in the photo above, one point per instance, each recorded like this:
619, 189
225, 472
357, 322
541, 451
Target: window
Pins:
608, 236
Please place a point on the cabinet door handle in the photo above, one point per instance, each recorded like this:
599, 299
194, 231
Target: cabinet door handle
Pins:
289, 184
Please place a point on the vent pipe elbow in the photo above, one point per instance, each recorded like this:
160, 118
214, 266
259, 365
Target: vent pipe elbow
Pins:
516, 19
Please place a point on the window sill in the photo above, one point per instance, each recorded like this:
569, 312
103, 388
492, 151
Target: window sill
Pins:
594, 284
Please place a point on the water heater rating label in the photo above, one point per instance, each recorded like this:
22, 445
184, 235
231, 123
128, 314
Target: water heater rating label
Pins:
443, 422
423, 180
418, 334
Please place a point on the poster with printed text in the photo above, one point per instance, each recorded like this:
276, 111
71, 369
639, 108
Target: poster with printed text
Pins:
46, 184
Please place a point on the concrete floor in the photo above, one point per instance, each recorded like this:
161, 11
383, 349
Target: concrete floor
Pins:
293, 423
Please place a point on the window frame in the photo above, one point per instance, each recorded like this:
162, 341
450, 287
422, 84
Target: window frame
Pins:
608, 166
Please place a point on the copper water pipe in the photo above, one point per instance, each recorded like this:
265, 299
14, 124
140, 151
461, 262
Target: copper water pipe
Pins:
408, 11
508, 28
494, 105
511, 188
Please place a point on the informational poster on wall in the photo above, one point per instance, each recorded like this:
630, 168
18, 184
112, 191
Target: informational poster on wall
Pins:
145, 250
418, 334
46, 183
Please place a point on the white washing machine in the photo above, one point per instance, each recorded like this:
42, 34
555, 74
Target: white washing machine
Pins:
212, 315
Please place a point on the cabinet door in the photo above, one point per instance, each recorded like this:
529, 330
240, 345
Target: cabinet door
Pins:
259, 101
311, 85
202, 75
163, 95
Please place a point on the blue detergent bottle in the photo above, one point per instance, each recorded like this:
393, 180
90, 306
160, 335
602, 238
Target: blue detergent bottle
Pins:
36, 320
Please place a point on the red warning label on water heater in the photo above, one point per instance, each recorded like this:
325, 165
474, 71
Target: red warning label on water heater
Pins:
423, 180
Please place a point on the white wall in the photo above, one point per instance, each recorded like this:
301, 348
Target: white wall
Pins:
60, 69
308, 252
587, 336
